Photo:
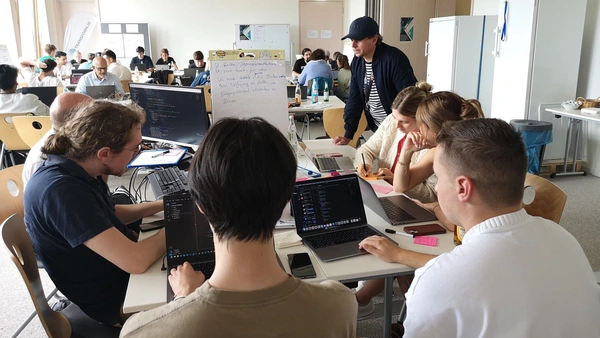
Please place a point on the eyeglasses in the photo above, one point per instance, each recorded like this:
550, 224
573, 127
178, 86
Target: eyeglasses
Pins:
101, 68
136, 150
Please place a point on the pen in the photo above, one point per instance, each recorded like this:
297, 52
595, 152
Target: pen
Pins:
392, 231
162, 152
363, 158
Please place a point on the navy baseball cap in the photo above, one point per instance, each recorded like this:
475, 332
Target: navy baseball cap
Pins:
362, 28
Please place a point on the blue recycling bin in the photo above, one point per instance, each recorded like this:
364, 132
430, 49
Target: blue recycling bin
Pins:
535, 134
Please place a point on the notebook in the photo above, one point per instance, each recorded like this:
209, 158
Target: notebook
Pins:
100, 92
395, 210
327, 164
330, 216
188, 235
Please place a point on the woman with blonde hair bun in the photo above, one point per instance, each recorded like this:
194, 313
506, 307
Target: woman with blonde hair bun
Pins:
385, 145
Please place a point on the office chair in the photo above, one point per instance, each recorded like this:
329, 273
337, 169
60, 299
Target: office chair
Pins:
333, 122
11, 141
549, 201
70, 322
31, 129
125, 85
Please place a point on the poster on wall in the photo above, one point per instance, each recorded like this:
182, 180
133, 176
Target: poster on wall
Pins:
407, 29
245, 32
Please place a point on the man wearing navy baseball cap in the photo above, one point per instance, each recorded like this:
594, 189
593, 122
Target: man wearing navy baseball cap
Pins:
379, 73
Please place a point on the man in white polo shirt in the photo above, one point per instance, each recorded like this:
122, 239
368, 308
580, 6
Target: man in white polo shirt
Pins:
63, 66
99, 77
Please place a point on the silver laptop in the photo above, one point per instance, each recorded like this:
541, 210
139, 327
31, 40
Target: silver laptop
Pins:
161, 67
330, 216
396, 210
327, 164
100, 92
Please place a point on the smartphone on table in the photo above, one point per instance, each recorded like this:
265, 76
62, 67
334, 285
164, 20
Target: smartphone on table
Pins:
301, 265
426, 229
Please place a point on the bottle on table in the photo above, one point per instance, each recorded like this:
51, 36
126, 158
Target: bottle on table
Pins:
314, 92
298, 95
326, 92
292, 135
459, 233
136, 72
197, 73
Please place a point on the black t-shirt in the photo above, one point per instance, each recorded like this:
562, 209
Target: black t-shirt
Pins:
160, 61
299, 65
64, 208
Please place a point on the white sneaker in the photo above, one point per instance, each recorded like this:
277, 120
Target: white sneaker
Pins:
365, 310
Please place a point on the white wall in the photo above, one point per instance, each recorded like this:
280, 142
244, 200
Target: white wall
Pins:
485, 7
185, 26
589, 80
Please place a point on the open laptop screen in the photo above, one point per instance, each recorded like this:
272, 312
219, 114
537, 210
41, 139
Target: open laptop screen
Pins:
328, 203
188, 233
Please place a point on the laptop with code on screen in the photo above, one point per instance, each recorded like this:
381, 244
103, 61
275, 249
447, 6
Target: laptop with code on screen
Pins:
330, 216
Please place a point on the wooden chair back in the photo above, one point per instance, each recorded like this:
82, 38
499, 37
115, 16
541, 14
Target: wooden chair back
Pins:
549, 201
207, 97
20, 249
11, 191
333, 121
125, 85
170, 78
8, 133
31, 129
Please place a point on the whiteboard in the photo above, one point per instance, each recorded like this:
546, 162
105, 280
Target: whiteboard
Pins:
249, 83
124, 38
5, 55
264, 37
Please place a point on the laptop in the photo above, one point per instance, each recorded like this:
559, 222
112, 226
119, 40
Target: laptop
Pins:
191, 72
161, 67
76, 74
330, 216
327, 164
100, 92
45, 94
189, 237
291, 92
396, 210
140, 66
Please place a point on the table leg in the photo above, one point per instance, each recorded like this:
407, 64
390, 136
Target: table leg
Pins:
574, 128
387, 307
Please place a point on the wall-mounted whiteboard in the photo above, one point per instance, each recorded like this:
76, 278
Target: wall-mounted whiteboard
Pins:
248, 83
124, 38
270, 37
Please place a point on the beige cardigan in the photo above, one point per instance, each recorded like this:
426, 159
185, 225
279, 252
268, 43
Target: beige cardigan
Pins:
383, 146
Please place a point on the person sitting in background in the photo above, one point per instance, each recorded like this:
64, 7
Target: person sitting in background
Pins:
114, 67
13, 102
63, 68
49, 51
333, 62
99, 77
316, 67
77, 59
165, 59
141, 58
499, 282
343, 78
301, 62
89, 63
46, 76
249, 294
198, 61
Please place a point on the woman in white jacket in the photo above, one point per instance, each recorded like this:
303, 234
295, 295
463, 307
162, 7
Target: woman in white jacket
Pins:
386, 143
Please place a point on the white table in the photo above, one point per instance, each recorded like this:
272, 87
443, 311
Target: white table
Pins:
149, 290
306, 109
575, 118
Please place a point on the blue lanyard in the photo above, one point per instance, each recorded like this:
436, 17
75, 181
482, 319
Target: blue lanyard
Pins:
503, 35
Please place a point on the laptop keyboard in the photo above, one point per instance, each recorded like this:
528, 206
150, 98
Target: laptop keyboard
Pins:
328, 163
340, 237
167, 181
395, 213
207, 268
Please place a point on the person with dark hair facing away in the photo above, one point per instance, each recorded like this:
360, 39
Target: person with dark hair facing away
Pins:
248, 295
301, 62
63, 68
165, 59
498, 282
333, 61
11, 101
122, 72
76, 232
316, 67
379, 73
197, 61
46, 76
141, 58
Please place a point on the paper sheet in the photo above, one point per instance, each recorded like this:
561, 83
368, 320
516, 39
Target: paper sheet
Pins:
114, 28
155, 158
382, 189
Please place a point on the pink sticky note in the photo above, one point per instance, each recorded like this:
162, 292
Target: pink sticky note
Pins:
382, 189
298, 179
426, 240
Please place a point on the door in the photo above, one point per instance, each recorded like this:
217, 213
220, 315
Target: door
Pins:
441, 54
321, 25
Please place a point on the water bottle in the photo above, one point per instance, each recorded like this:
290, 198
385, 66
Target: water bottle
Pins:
292, 135
298, 95
136, 73
326, 92
314, 92
197, 73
